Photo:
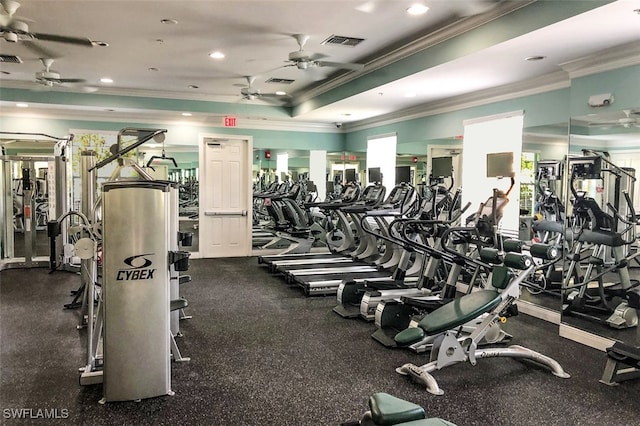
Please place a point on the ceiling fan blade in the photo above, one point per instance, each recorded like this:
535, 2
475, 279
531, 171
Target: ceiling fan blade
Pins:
63, 39
341, 65
71, 80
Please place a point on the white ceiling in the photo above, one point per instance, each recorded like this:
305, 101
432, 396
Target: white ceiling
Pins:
256, 37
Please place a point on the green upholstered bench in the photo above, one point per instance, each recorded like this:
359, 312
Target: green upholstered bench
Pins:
387, 410
459, 311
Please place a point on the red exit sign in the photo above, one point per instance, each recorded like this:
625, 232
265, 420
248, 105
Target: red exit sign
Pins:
230, 121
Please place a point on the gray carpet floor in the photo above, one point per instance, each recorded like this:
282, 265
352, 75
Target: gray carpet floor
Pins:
264, 354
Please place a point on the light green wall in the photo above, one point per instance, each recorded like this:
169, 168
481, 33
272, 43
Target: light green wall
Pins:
418, 133
182, 134
414, 136
623, 83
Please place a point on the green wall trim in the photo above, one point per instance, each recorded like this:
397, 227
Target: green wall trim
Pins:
182, 135
144, 103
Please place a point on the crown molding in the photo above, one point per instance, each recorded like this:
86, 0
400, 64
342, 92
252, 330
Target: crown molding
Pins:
549, 82
139, 93
605, 60
163, 118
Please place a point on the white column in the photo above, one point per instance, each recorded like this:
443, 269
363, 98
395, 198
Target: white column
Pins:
282, 165
318, 171
381, 152
494, 134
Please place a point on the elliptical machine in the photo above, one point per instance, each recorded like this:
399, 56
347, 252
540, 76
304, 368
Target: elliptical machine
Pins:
606, 237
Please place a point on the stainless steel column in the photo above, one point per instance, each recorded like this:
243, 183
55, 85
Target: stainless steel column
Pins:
136, 244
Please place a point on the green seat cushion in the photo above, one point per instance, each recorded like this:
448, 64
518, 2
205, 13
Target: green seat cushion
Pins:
459, 311
501, 277
409, 335
389, 410
434, 421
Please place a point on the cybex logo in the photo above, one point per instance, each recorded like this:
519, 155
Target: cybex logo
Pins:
139, 268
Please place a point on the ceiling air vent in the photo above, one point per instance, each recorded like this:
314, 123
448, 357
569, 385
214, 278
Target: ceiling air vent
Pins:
279, 80
343, 41
10, 59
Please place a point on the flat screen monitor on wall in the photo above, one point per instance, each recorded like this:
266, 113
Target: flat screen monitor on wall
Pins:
441, 167
375, 175
350, 175
500, 164
403, 174
330, 187
550, 169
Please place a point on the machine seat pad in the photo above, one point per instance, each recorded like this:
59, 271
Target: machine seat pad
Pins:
298, 232
389, 410
409, 336
610, 239
548, 226
180, 303
553, 226
434, 421
459, 311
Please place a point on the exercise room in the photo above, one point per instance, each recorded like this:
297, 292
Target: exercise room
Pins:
319, 212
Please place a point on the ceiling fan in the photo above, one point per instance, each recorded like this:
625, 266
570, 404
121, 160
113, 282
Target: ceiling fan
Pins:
627, 121
305, 60
13, 28
50, 78
250, 93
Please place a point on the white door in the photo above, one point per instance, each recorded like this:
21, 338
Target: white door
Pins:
225, 196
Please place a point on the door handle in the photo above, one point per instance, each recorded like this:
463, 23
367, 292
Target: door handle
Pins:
222, 213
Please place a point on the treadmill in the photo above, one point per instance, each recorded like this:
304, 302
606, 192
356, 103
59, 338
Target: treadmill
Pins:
323, 281
350, 194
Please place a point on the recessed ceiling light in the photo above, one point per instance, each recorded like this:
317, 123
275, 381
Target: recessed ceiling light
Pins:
637, 11
216, 55
192, 86
153, 69
22, 105
410, 95
169, 21
417, 9
109, 109
346, 114
100, 43
534, 58
186, 114
106, 80
281, 93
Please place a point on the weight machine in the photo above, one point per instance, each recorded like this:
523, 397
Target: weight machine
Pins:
24, 199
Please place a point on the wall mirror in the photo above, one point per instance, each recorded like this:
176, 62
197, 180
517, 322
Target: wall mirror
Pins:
602, 204
178, 163
26, 198
542, 210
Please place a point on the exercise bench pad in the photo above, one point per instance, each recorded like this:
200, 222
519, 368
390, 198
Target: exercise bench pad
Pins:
388, 410
459, 311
